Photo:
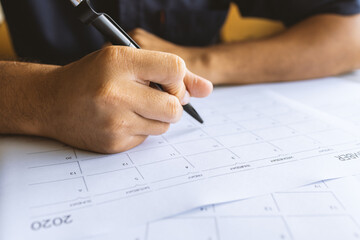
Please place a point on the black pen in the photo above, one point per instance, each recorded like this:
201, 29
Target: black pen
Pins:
116, 35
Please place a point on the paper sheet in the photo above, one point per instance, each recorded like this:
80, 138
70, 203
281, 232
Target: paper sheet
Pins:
325, 210
340, 97
256, 140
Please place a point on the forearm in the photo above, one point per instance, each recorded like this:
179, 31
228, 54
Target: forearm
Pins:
22, 96
101, 102
319, 46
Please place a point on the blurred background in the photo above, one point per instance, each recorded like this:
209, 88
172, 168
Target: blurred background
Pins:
236, 28
6, 50
1, 15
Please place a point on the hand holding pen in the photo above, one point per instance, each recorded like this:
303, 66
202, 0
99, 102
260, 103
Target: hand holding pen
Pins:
115, 34
103, 102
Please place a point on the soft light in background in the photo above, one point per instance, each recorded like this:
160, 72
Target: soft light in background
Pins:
6, 50
1, 15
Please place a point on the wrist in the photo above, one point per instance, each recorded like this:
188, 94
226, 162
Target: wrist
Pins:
42, 92
25, 98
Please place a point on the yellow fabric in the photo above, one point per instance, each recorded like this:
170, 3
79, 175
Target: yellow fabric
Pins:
6, 49
238, 28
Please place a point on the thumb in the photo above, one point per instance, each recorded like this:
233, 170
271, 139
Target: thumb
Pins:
197, 86
189, 85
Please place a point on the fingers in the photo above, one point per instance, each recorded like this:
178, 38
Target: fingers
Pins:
124, 134
136, 131
118, 145
166, 69
156, 105
147, 127
170, 71
163, 68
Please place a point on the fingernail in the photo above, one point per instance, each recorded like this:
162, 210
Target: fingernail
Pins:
186, 98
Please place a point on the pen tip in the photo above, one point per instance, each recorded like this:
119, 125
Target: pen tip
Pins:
192, 112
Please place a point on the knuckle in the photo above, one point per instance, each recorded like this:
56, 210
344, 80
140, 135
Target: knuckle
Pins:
180, 64
174, 109
109, 51
108, 58
105, 98
110, 96
176, 67
115, 53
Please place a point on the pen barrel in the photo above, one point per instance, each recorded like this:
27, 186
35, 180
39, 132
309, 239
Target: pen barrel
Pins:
110, 31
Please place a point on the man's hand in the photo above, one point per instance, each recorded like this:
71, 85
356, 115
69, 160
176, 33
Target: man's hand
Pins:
102, 102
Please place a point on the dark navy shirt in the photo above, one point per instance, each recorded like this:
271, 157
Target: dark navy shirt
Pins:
48, 31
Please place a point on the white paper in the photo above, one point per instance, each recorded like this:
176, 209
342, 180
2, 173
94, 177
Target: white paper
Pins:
339, 98
325, 210
256, 140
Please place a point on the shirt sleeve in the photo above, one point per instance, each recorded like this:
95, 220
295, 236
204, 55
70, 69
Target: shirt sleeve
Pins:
291, 12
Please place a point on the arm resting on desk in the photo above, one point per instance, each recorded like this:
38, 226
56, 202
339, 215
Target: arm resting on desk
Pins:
102, 102
319, 46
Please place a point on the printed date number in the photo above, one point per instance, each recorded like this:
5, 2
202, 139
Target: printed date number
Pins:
51, 222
